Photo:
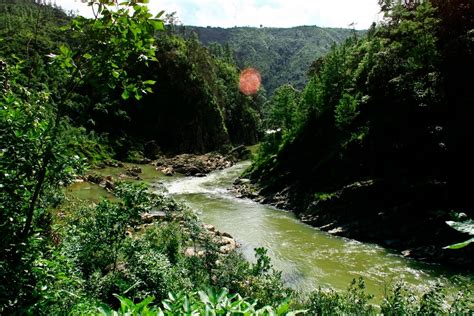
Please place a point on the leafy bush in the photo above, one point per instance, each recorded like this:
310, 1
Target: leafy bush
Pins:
352, 302
209, 302
258, 281
402, 300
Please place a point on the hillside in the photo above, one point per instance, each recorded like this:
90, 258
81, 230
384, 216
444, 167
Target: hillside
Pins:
106, 208
282, 55
205, 100
377, 144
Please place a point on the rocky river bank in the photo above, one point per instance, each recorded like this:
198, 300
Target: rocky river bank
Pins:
375, 212
183, 164
339, 213
107, 174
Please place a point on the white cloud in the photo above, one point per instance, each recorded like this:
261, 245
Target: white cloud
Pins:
272, 13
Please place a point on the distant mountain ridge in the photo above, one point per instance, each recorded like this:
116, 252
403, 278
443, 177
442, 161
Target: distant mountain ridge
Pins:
282, 55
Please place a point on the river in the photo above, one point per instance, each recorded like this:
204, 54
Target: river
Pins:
308, 257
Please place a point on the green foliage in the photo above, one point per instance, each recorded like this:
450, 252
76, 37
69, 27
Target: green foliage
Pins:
209, 302
346, 111
127, 307
399, 301
98, 234
200, 92
352, 302
466, 226
89, 146
281, 55
258, 281
110, 44
402, 301
113, 255
36, 138
26, 125
103, 253
324, 196
383, 107
282, 108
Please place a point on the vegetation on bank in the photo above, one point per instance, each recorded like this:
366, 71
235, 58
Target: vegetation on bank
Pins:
96, 259
377, 143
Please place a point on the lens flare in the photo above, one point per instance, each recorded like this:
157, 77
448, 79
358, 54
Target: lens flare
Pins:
250, 81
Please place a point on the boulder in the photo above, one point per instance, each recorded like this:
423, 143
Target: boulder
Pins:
189, 252
153, 216
94, 178
109, 185
135, 169
226, 249
209, 227
167, 171
224, 234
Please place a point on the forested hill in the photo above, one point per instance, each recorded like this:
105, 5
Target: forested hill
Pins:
377, 145
195, 104
282, 55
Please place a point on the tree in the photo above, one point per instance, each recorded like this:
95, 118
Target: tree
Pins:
283, 108
110, 43
34, 158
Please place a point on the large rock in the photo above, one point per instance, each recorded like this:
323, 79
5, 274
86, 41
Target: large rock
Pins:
209, 227
167, 171
133, 171
192, 165
153, 216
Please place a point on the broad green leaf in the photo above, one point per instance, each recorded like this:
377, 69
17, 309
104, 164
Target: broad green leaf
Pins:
167, 306
125, 94
463, 227
158, 24
145, 302
87, 56
203, 296
460, 245
64, 50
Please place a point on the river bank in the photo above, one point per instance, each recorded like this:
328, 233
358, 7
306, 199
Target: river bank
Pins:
366, 212
106, 173
307, 257
101, 182
354, 212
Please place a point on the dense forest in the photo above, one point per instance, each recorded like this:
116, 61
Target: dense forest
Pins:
198, 108
282, 55
377, 143
386, 113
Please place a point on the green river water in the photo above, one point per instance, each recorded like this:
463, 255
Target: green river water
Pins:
307, 257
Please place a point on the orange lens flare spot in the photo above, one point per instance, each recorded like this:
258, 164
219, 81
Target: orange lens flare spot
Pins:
250, 81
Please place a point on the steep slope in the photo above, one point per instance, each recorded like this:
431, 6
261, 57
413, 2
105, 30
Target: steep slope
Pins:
382, 147
196, 105
282, 55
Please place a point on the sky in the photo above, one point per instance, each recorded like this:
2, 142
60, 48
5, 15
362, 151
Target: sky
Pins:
268, 13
